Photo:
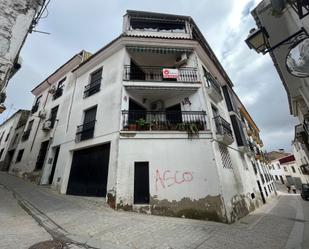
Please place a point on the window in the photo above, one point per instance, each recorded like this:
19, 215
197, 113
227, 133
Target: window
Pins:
26, 133
15, 138
95, 83
277, 179
7, 136
86, 130
59, 89
36, 105
1, 152
293, 169
285, 169
19, 155
53, 116
278, 165
2, 136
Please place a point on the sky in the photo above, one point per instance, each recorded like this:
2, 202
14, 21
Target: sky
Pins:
78, 24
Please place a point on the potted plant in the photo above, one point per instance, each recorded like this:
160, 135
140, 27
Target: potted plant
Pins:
142, 124
132, 127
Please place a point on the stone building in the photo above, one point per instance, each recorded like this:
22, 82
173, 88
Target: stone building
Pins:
11, 131
151, 123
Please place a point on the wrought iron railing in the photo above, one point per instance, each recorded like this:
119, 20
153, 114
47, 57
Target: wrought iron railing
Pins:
147, 73
85, 131
212, 82
164, 120
223, 127
58, 93
92, 88
35, 108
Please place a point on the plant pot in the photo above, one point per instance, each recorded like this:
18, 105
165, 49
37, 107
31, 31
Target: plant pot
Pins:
132, 127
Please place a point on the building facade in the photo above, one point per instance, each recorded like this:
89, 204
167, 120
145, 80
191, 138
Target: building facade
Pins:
17, 19
283, 27
11, 131
151, 122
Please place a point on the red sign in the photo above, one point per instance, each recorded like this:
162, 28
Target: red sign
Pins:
170, 73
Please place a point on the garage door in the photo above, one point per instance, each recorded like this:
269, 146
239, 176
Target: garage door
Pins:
89, 171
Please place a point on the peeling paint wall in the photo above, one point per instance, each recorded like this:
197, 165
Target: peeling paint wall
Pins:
15, 19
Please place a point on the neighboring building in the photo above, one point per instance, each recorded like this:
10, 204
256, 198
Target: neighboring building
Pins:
49, 115
150, 122
283, 28
10, 134
301, 158
18, 17
288, 170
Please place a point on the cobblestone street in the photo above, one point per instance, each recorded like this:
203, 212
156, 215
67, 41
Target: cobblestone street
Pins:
89, 223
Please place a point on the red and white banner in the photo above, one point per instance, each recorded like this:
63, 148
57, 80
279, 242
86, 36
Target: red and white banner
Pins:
170, 73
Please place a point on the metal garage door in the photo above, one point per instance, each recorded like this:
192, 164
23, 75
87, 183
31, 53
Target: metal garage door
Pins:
89, 171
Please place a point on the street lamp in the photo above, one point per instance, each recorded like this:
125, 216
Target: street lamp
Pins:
258, 40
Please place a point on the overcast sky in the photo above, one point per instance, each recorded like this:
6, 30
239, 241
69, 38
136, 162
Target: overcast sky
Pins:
78, 24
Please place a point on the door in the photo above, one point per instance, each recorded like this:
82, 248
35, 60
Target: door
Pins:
89, 171
51, 176
9, 160
89, 123
261, 192
141, 183
173, 114
41, 155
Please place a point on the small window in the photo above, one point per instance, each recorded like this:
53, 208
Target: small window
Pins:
61, 83
19, 155
30, 125
94, 84
15, 138
1, 152
7, 137
53, 116
293, 169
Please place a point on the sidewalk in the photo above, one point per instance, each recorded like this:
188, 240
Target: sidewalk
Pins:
85, 221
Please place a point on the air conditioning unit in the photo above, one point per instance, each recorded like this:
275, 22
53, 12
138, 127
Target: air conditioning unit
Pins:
46, 125
181, 60
42, 114
52, 90
157, 105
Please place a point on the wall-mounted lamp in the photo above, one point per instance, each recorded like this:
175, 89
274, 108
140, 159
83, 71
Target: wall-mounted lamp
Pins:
258, 40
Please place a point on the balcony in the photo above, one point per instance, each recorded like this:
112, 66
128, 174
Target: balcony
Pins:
25, 135
58, 93
224, 131
161, 74
189, 121
92, 88
35, 108
213, 88
85, 131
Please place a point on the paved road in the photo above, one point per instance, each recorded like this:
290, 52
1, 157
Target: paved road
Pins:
89, 223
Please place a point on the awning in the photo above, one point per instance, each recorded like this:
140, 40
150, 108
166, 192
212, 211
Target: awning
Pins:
158, 50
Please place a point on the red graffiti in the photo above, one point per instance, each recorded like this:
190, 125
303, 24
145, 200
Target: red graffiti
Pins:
168, 178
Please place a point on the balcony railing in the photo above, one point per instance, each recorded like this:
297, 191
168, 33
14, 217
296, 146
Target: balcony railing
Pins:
223, 127
35, 108
164, 120
58, 93
92, 88
145, 73
25, 135
212, 82
85, 131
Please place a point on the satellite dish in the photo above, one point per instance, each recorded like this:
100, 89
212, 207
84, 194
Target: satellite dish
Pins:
297, 60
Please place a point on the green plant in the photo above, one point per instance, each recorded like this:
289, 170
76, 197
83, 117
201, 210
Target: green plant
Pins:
191, 128
142, 123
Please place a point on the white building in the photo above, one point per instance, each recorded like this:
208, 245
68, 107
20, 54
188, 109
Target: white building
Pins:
282, 30
11, 131
18, 17
150, 122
